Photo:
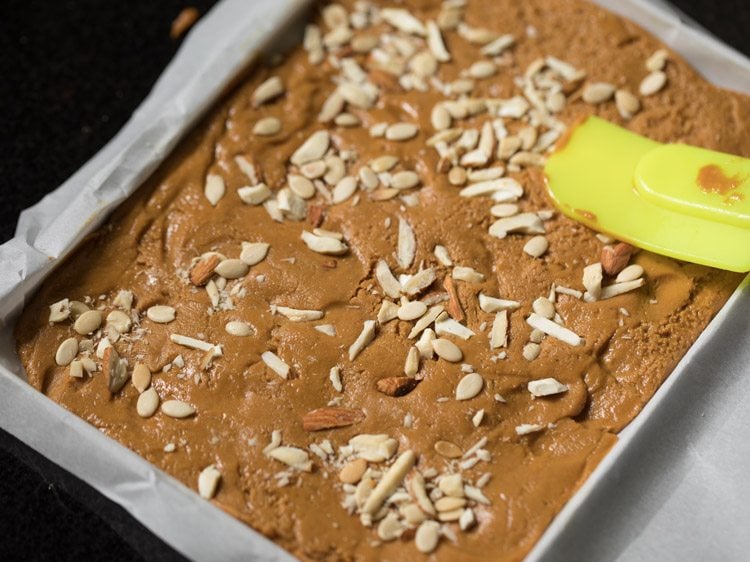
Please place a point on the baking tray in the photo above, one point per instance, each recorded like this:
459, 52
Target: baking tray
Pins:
672, 488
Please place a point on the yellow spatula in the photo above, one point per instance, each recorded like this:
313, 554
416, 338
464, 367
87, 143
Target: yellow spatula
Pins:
673, 199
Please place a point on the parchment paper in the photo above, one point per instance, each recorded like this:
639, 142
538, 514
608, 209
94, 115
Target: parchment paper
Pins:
673, 488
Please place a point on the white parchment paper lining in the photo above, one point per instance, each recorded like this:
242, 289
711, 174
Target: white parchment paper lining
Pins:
673, 487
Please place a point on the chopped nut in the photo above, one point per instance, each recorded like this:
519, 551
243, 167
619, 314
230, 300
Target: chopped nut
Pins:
204, 270
275, 363
59, 311
330, 418
546, 387
396, 386
615, 258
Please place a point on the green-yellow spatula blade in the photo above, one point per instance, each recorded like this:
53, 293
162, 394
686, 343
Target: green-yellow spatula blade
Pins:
593, 178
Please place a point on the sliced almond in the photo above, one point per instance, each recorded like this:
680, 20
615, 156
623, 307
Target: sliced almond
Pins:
404, 180
267, 127
630, 273
141, 377
324, 244
208, 482
344, 189
314, 148
407, 244
499, 332
448, 450
401, 131
66, 352
238, 328
419, 281
148, 403
353, 471
653, 83
537, 246
627, 104
268, 90
254, 252
427, 536
177, 409
447, 350
383, 164
301, 186
429, 317
469, 386
598, 92
232, 268
88, 322
412, 310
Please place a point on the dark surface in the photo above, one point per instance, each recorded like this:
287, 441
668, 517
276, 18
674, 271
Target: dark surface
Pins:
71, 73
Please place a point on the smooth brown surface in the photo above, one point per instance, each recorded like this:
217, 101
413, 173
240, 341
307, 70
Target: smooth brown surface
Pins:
169, 222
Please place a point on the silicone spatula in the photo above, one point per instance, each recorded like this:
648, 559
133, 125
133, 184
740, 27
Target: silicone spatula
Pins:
677, 200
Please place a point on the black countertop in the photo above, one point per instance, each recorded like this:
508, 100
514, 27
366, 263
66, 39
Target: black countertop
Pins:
71, 73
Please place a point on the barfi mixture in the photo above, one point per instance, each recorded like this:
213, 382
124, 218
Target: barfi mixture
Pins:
344, 309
